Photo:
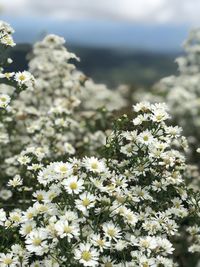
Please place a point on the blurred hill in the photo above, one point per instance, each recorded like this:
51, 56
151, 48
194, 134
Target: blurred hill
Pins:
112, 66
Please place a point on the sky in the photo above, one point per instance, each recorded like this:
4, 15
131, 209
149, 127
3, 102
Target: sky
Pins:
80, 20
145, 11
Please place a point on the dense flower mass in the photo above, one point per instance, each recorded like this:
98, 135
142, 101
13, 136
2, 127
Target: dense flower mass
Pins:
19, 80
124, 209
80, 187
182, 92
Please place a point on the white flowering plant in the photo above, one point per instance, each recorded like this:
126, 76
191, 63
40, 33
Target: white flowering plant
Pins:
124, 209
19, 80
48, 124
11, 84
181, 92
79, 189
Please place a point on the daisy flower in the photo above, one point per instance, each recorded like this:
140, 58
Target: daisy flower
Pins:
145, 137
94, 165
111, 231
36, 242
7, 260
64, 228
86, 255
4, 100
63, 168
73, 185
85, 202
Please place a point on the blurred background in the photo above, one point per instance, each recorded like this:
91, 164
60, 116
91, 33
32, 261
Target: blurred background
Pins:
119, 41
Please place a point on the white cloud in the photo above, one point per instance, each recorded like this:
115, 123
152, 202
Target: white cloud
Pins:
151, 11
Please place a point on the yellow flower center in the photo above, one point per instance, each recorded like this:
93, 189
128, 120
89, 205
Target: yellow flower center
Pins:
111, 232
30, 215
28, 229
86, 202
100, 242
42, 208
73, 185
145, 243
141, 194
22, 77
67, 229
16, 218
8, 261
63, 168
40, 197
86, 255
37, 241
145, 138
159, 117
94, 165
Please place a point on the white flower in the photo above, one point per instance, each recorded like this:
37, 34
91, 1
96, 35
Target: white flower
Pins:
93, 164
24, 160
99, 242
4, 100
145, 137
23, 77
173, 131
159, 115
85, 202
140, 119
36, 242
107, 261
130, 217
27, 228
111, 231
29, 214
15, 216
73, 185
163, 243
5, 194
2, 216
142, 106
64, 228
147, 243
8, 260
69, 148
40, 195
63, 168
16, 181
8, 40
86, 255
144, 261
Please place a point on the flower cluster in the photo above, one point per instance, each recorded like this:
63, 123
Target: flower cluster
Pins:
49, 122
182, 92
79, 188
6, 32
11, 83
123, 210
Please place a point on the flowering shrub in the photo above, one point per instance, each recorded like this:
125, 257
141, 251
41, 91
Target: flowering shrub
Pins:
11, 84
49, 122
19, 80
79, 190
122, 210
182, 92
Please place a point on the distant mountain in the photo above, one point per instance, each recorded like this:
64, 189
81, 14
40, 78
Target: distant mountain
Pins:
112, 66
107, 34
